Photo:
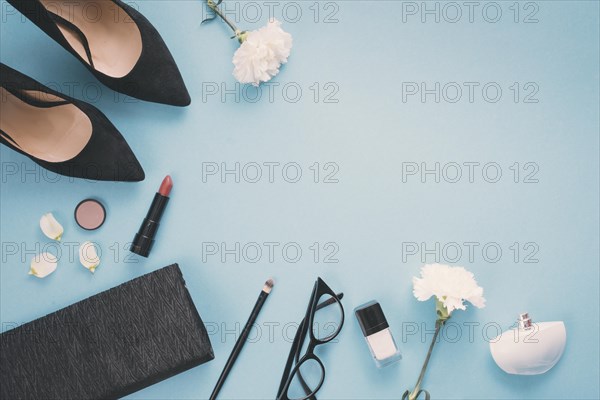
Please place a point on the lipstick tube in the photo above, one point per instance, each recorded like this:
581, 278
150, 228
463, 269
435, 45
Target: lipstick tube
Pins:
144, 238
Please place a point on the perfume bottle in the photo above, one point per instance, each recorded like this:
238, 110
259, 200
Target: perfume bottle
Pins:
377, 333
531, 348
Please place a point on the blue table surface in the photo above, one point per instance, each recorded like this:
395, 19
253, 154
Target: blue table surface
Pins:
336, 174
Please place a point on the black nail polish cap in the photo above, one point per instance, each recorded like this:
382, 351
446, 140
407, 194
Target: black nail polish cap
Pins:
371, 318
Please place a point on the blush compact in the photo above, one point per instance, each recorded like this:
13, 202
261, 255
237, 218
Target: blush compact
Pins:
90, 214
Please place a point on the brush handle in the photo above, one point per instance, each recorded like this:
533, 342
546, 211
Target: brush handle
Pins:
239, 344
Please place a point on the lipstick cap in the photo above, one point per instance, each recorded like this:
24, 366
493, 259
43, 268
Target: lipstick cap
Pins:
371, 318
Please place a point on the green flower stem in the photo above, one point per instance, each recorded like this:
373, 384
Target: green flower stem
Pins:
240, 35
443, 316
415, 392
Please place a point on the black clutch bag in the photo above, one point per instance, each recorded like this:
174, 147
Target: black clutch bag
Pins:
108, 345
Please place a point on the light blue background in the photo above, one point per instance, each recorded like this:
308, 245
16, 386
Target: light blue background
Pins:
369, 133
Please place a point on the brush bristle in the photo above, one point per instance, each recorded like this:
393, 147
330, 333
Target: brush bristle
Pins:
268, 286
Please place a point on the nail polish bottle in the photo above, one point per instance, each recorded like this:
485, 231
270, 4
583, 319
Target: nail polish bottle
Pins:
377, 333
531, 348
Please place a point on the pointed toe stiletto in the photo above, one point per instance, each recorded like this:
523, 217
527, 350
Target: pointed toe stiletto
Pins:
115, 42
62, 134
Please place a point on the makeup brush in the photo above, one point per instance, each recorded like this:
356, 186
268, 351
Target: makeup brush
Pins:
243, 337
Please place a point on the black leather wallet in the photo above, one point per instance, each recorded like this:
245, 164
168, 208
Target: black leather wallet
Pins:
108, 345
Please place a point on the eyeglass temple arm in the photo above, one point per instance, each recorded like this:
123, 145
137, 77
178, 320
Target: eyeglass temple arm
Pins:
324, 304
303, 328
330, 301
299, 341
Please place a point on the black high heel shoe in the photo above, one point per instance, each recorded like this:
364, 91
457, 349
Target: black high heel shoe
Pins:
115, 42
62, 134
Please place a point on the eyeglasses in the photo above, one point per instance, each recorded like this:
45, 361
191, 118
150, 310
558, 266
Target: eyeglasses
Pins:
304, 372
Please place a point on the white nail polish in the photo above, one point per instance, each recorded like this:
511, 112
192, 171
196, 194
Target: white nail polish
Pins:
377, 333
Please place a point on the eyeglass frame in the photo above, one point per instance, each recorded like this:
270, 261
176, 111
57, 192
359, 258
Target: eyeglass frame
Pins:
320, 288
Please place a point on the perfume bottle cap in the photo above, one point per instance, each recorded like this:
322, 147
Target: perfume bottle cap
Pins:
525, 322
371, 318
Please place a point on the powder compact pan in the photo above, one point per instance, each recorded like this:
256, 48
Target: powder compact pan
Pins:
90, 214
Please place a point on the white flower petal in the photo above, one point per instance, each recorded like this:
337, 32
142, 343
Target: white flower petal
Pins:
51, 227
451, 285
420, 290
88, 256
261, 54
43, 265
453, 303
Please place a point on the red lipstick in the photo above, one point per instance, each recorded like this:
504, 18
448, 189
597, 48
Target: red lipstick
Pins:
166, 186
144, 239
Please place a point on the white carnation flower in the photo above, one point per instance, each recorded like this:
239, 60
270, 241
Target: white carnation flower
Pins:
451, 285
261, 53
